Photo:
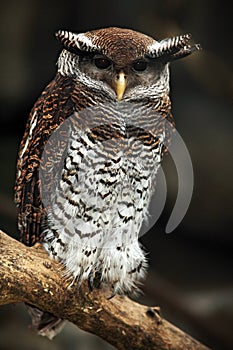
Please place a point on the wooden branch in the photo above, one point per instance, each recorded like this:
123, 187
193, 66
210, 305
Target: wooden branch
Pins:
28, 275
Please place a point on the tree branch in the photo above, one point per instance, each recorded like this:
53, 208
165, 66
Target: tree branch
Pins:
28, 275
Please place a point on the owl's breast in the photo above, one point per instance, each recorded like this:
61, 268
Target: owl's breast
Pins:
104, 187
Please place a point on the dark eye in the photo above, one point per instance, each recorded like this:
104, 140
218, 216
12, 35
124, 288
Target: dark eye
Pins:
102, 62
140, 65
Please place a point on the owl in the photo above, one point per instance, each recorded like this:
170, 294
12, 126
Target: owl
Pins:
88, 160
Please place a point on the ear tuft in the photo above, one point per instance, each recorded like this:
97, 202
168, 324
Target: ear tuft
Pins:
75, 42
173, 48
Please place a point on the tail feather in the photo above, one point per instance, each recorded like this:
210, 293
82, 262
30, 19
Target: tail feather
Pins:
45, 323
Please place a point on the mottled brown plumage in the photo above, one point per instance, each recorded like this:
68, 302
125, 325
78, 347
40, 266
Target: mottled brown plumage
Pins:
88, 160
53, 106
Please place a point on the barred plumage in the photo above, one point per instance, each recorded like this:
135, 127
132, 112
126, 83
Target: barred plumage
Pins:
90, 153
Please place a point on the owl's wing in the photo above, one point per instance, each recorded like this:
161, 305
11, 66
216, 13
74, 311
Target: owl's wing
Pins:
51, 109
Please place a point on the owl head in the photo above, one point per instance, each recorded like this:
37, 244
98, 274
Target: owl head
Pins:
121, 64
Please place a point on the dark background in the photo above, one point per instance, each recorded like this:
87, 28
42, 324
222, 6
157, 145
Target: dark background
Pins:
190, 273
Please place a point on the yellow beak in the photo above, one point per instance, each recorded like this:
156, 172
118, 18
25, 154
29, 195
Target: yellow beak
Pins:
120, 84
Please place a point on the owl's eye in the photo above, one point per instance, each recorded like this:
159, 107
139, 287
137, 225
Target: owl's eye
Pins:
139, 65
102, 62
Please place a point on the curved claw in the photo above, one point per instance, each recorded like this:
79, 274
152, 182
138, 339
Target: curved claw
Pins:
91, 281
112, 296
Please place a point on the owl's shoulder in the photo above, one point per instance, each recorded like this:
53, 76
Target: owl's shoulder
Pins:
50, 110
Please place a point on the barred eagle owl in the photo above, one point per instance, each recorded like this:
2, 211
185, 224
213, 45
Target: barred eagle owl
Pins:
88, 159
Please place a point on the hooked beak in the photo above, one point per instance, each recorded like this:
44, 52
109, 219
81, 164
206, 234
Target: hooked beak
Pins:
120, 84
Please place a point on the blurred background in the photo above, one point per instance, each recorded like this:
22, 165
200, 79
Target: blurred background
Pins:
191, 269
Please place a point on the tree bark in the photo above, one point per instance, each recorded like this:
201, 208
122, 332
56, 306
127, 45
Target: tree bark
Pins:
27, 274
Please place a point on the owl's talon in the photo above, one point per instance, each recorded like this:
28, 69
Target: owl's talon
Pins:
112, 296
91, 281
155, 312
